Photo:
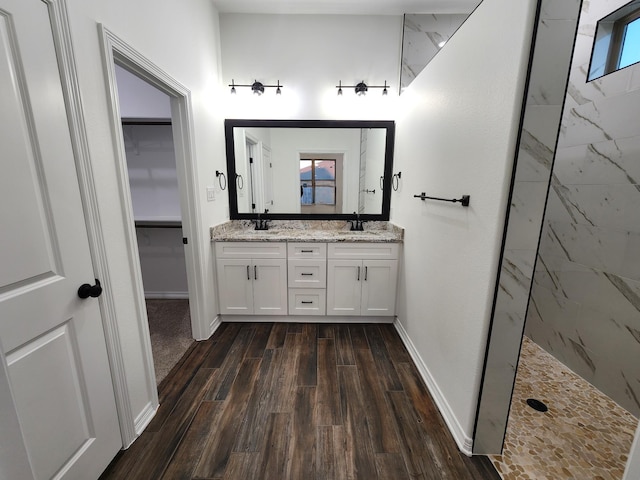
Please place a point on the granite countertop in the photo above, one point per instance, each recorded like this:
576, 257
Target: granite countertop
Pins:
306, 231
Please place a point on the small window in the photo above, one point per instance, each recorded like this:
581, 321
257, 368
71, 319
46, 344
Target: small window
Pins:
630, 44
617, 41
317, 182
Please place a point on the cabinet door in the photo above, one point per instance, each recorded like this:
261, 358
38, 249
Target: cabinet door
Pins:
235, 286
379, 280
269, 286
344, 287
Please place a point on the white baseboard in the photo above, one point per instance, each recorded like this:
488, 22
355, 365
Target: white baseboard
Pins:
166, 295
304, 319
145, 416
464, 442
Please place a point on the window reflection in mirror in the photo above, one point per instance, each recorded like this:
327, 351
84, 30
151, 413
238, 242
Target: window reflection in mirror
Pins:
322, 169
318, 185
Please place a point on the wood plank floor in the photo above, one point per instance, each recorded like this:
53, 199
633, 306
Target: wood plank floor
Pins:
261, 401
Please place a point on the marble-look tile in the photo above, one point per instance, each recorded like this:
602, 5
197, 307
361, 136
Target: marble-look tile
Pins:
605, 206
634, 81
515, 282
526, 213
609, 162
537, 144
583, 91
603, 333
621, 379
591, 123
583, 435
559, 9
556, 210
551, 62
423, 37
613, 251
578, 287
493, 409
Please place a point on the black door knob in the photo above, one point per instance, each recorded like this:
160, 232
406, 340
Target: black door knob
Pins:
86, 290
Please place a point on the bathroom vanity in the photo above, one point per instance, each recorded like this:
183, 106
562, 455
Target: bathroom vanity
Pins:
307, 271
313, 180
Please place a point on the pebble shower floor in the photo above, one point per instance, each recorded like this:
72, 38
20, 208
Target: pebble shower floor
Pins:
583, 435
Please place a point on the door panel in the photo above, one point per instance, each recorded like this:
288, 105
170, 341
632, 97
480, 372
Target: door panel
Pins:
234, 286
270, 287
344, 287
46, 377
379, 287
21, 180
52, 342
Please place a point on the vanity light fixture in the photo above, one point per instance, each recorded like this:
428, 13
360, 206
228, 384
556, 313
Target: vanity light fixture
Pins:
256, 87
362, 88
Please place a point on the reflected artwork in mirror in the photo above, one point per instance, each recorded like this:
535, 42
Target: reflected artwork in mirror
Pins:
309, 169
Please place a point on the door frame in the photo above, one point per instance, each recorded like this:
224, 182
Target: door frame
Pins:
115, 50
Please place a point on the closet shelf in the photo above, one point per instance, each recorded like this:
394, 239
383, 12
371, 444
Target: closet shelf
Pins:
148, 223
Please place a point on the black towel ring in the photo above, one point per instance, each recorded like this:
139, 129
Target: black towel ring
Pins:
222, 180
395, 181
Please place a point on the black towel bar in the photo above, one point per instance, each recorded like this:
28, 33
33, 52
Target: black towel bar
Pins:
464, 200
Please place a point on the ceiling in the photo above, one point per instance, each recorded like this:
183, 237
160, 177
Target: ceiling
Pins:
345, 7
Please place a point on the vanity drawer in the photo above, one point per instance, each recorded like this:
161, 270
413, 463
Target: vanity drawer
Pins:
363, 251
307, 301
251, 250
307, 273
307, 250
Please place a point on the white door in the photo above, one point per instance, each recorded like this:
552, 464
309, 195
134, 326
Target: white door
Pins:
51, 342
270, 286
344, 287
235, 286
379, 282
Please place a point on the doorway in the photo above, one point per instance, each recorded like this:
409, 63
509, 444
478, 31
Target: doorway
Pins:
118, 52
145, 114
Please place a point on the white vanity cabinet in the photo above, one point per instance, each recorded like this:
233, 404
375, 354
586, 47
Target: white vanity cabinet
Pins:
362, 279
252, 278
307, 273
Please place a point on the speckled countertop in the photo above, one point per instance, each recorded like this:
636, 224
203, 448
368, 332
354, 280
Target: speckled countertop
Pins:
306, 231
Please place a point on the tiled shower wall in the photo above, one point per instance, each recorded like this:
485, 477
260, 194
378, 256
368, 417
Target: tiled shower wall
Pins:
543, 110
423, 37
585, 305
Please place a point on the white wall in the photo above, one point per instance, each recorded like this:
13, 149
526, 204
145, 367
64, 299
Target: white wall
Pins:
456, 135
138, 99
182, 39
310, 54
286, 146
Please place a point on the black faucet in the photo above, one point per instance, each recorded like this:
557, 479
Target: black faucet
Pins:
357, 224
261, 223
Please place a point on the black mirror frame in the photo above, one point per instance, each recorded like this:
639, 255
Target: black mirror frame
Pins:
389, 125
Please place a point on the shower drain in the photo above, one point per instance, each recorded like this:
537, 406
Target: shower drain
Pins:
537, 405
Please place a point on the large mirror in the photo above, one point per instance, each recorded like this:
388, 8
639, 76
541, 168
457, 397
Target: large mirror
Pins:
309, 169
